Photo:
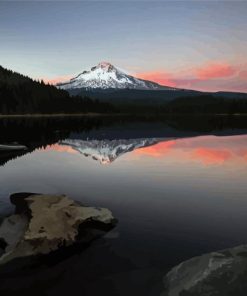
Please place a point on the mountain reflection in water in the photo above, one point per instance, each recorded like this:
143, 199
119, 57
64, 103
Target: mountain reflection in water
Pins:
209, 150
105, 139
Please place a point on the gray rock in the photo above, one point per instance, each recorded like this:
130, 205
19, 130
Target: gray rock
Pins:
45, 223
221, 273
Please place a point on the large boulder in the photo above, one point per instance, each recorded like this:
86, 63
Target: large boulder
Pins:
45, 223
221, 273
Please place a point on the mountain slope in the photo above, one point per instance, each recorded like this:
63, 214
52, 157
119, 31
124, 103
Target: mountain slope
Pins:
106, 76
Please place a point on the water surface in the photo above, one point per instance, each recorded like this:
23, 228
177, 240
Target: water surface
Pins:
178, 190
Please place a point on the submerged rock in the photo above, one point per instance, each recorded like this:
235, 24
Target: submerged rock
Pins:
45, 223
221, 273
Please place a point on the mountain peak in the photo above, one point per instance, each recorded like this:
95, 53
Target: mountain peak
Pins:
106, 76
104, 65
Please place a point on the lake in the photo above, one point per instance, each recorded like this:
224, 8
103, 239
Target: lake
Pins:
176, 185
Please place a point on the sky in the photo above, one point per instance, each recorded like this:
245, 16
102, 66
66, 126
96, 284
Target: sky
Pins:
188, 44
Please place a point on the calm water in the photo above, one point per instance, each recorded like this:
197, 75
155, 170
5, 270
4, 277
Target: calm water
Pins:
182, 195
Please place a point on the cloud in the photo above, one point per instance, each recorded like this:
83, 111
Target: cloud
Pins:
208, 71
208, 150
57, 79
157, 150
243, 74
215, 70
60, 148
210, 76
209, 156
162, 78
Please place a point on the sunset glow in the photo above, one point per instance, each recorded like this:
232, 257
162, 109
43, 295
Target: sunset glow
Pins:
199, 45
159, 77
215, 70
207, 150
211, 76
55, 80
61, 148
123, 147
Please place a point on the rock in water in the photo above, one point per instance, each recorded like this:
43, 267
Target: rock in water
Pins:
12, 147
45, 223
221, 273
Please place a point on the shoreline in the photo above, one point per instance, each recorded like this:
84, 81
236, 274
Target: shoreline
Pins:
111, 115
56, 115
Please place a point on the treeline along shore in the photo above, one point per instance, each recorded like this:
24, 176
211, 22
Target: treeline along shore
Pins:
21, 95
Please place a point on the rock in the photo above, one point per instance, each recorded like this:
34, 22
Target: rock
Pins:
221, 273
12, 147
45, 223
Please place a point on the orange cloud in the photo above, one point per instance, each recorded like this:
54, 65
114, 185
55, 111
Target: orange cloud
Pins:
157, 76
215, 70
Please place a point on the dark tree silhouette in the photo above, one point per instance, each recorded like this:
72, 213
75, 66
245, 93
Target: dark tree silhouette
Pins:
22, 95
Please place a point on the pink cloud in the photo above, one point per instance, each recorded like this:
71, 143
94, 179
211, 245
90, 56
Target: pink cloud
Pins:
243, 74
162, 78
157, 150
60, 148
206, 155
215, 70
206, 72
212, 76
210, 156
57, 79
208, 150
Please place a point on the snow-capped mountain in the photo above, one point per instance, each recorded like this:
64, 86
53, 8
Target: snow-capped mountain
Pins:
105, 76
106, 151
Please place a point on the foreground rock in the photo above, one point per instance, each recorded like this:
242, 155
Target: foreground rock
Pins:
222, 273
45, 223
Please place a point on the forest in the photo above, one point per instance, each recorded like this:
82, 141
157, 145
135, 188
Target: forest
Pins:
22, 95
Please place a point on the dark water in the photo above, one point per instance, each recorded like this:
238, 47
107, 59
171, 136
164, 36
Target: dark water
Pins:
177, 186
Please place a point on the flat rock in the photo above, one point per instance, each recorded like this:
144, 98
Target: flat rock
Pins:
45, 223
221, 273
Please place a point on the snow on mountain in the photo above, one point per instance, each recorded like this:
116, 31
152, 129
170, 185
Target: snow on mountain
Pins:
105, 76
106, 151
